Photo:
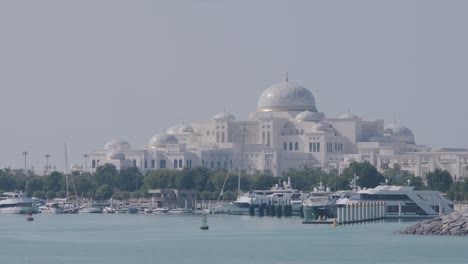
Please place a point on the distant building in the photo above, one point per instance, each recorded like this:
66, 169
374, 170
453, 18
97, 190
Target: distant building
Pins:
286, 131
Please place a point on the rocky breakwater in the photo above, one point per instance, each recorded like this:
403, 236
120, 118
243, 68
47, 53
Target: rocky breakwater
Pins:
454, 224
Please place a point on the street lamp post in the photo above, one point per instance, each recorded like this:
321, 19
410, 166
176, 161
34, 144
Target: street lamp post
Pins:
25, 154
86, 156
47, 156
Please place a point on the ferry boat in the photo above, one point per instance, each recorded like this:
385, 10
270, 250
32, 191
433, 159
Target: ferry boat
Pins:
277, 195
403, 201
400, 202
16, 203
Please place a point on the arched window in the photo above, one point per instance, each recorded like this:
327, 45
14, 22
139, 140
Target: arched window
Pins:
296, 146
290, 146
285, 146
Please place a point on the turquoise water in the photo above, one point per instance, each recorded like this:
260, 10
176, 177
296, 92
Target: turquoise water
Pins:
118, 238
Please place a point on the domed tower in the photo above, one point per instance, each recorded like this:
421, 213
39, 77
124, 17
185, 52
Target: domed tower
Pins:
286, 97
400, 132
117, 144
161, 140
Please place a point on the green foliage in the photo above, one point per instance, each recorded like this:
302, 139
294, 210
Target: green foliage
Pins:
7, 182
263, 182
54, 181
39, 194
397, 176
50, 195
439, 180
60, 194
229, 195
136, 195
83, 184
368, 175
129, 179
105, 174
104, 192
205, 195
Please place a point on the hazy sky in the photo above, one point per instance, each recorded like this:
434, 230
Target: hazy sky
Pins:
84, 72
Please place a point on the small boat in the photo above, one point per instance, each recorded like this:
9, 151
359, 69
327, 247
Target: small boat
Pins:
161, 210
204, 225
91, 210
180, 211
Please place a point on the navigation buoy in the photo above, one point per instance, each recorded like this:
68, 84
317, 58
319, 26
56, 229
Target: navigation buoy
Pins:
29, 218
334, 222
204, 225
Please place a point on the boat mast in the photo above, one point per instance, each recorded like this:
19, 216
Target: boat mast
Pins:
66, 170
240, 163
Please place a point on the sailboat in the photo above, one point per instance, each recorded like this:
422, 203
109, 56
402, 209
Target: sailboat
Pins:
149, 210
228, 207
67, 206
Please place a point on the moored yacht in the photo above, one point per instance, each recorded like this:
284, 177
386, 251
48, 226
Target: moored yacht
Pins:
277, 195
16, 203
403, 201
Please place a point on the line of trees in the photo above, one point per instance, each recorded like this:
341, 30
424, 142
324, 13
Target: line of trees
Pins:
108, 182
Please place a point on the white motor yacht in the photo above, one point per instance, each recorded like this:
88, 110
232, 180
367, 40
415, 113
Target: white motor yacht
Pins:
16, 203
277, 195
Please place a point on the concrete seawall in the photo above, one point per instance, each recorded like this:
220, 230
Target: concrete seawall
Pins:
454, 224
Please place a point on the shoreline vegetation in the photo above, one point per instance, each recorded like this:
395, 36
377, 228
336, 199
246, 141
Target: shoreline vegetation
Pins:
108, 182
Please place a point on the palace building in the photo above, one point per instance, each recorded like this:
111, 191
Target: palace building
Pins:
285, 131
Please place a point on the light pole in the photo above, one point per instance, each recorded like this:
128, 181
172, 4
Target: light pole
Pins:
47, 156
25, 154
86, 156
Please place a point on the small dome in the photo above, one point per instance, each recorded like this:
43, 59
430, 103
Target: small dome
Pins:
179, 129
173, 129
117, 144
184, 128
308, 116
161, 140
388, 131
115, 155
348, 116
75, 167
403, 133
285, 97
322, 126
224, 115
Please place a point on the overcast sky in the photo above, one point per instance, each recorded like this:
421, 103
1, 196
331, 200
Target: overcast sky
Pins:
84, 72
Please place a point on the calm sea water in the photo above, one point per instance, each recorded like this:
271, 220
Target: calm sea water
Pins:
120, 238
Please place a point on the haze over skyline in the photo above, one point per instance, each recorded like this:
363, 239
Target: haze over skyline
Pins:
85, 72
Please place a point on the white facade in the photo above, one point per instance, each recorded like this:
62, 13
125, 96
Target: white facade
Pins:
286, 131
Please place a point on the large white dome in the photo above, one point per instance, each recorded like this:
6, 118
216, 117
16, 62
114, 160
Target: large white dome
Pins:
117, 144
285, 97
402, 132
161, 140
